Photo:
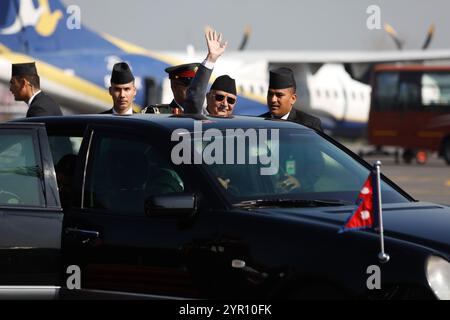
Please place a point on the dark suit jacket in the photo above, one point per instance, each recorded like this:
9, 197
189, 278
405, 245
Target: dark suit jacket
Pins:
197, 91
301, 118
43, 105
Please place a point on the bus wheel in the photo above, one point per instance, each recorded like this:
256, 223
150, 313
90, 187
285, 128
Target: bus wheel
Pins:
421, 157
408, 155
446, 151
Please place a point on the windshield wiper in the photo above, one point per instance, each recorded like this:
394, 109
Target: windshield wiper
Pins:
302, 203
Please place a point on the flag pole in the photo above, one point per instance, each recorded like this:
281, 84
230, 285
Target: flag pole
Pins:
382, 256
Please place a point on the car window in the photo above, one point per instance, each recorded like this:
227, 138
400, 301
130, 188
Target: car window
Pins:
309, 167
62, 145
20, 182
123, 172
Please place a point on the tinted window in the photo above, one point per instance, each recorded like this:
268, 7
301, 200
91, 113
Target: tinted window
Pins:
62, 145
123, 172
397, 91
386, 91
20, 182
310, 167
412, 91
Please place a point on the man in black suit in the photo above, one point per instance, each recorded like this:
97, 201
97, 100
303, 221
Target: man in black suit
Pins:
122, 90
281, 97
222, 96
25, 86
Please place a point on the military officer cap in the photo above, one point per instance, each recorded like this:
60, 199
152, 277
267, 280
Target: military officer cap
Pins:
224, 83
282, 78
184, 72
121, 74
22, 69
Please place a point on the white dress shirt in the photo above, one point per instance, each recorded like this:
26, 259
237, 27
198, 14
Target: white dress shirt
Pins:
129, 111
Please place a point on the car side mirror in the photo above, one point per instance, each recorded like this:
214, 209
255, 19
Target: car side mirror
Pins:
174, 205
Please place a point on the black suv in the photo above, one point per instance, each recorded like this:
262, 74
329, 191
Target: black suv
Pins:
103, 195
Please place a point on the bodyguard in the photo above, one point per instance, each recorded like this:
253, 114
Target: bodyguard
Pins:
122, 90
25, 86
282, 96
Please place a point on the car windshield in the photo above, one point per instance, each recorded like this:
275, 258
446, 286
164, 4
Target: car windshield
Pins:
291, 165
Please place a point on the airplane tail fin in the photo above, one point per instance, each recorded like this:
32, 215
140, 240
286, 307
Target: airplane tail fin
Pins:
33, 26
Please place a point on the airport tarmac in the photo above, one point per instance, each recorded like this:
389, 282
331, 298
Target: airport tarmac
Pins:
425, 182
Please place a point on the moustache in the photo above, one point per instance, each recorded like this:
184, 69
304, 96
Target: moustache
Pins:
222, 107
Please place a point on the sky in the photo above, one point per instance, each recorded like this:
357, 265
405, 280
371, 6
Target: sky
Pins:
275, 24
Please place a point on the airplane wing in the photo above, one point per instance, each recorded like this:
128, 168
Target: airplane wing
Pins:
344, 56
329, 56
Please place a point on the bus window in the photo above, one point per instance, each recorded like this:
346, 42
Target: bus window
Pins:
409, 95
386, 91
436, 89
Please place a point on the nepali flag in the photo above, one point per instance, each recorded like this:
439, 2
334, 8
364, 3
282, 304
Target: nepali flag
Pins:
364, 216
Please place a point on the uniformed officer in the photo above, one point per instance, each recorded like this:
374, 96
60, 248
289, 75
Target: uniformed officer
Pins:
122, 90
180, 78
25, 86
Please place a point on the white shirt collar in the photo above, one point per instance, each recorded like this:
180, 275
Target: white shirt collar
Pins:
285, 117
34, 96
129, 111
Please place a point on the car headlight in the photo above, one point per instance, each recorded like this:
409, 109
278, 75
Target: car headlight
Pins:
438, 276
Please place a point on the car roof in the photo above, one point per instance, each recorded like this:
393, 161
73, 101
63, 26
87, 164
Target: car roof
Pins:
169, 122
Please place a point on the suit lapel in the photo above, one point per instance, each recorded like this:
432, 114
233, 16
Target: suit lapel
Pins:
293, 115
35, 99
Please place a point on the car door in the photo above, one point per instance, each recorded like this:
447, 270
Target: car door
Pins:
30, 212
120, 249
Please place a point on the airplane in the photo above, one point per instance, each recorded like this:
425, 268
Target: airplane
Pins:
333, 85
75, 64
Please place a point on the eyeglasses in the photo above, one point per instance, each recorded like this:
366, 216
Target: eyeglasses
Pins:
220, 97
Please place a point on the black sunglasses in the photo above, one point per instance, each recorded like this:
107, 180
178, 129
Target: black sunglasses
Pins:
220, 97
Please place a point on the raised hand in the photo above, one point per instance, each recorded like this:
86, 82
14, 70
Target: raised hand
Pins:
216, 46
